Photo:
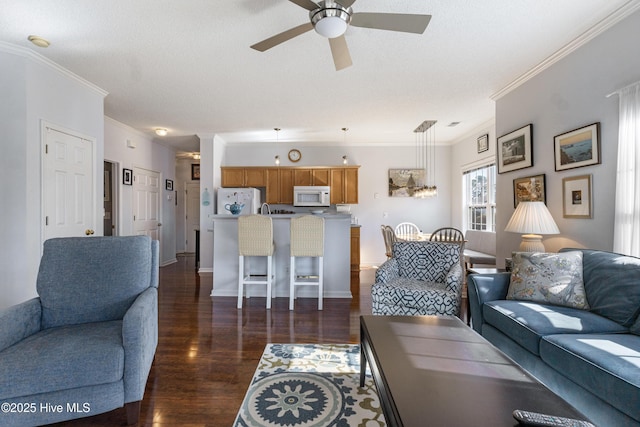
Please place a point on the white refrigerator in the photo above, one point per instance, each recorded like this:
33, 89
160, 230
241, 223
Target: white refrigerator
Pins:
249, 197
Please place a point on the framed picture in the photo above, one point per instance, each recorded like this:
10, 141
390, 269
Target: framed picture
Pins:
168, 184
577, 148
404, 182
127, 176
483, 143
514, 150
576, 197
529, 189
195, 172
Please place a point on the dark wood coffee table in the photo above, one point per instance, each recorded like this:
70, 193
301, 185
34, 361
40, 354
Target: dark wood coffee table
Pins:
436, 371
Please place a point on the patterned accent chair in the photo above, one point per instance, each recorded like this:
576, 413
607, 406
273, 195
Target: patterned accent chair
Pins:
421, 278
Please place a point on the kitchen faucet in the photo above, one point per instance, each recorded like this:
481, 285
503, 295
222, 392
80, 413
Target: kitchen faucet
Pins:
268, 211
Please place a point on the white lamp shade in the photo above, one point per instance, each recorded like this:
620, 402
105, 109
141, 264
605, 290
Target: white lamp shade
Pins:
532, 218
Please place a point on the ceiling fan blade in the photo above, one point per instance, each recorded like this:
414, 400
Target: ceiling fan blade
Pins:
346, 3
307, 4
340, 52
406, 23
282, 37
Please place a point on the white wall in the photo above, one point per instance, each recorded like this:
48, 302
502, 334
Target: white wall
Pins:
375, 207
149, 155
465, 156
33, 90
568, 95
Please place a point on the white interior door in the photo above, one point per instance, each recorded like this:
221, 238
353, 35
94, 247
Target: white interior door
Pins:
146, 203
192, 214
69, 206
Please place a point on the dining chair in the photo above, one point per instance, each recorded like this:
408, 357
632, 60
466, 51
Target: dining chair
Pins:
450, 235
407, 231
389, 237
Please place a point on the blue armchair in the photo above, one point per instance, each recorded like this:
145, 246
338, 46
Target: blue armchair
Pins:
85, 345
421, 278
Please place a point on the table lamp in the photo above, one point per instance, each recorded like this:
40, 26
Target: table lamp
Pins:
532, 219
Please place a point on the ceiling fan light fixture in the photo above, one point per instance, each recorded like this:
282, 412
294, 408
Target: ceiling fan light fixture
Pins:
330, 20
161, 132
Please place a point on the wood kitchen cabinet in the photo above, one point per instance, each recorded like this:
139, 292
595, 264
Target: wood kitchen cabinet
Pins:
279, 181
244, 176
286, 186
355, 261
344, 185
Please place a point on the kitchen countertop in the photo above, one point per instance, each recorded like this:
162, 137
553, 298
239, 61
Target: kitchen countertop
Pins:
329, 215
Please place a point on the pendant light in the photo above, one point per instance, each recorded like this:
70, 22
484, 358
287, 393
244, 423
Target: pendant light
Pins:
425, 158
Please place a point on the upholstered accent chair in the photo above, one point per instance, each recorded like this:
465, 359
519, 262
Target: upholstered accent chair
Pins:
85, 345
422, 278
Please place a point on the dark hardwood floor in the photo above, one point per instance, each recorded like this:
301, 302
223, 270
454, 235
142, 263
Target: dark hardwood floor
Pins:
208, 350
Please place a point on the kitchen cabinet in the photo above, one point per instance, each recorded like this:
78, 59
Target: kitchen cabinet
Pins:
286, 186
244, 176
232, 177
279, 181
355, 260
344, 185
302, 177
320, 176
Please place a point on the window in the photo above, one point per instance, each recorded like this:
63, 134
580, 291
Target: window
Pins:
480, 198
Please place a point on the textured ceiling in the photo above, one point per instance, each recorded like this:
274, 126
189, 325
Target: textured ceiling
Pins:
186, 65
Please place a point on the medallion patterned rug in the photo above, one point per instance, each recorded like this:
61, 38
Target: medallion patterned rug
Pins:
301, 385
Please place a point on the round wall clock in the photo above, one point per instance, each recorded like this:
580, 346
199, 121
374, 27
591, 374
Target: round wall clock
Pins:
295, 155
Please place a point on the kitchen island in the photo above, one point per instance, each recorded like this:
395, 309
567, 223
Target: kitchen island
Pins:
336, 258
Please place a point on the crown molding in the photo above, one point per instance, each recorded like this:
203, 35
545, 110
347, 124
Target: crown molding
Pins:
615, 17
36, 57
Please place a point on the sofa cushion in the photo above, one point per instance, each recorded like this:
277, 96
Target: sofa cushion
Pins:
62, 358
608, 363
76, 292
430, 261
527, 322
612, 283
548, 278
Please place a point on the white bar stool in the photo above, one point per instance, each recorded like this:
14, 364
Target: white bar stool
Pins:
255, 239
307, 240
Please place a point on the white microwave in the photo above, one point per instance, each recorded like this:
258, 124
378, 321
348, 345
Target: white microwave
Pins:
312, 195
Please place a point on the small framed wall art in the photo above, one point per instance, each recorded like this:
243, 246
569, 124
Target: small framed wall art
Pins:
168, 184
577, 148
195, 172
514, 150
483, 143
127, 176
577, 197
529, 189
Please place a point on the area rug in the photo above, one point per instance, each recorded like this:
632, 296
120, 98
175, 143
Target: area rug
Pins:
300, 385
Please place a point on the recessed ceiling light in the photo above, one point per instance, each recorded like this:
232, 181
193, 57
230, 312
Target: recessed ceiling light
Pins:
39, 41
453, 124
161, 132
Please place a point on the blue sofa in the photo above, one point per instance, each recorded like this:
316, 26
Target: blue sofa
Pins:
85, 345
591, 358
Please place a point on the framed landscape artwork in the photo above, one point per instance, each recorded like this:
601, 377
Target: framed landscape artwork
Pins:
577, 148
514, 150
576, 197
403, 182
529, 189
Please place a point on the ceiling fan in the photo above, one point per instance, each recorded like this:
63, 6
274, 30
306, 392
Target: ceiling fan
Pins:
330, 19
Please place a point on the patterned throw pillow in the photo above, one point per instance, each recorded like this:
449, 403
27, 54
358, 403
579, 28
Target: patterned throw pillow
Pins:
548, 278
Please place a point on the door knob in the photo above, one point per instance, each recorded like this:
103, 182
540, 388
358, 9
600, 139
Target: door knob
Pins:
159, 224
